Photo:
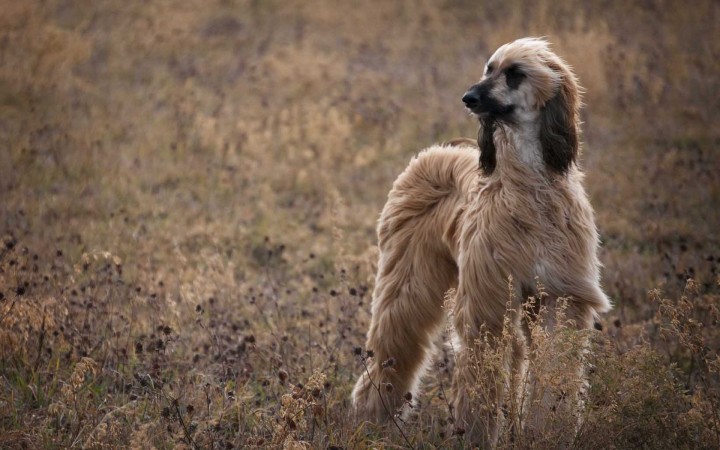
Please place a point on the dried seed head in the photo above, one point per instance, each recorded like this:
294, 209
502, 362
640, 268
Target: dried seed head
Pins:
390, 362
317, 410
357, 351
369, 353
389, 387
282, 375
408, 396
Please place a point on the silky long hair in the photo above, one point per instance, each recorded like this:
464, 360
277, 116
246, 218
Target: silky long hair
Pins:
455, 219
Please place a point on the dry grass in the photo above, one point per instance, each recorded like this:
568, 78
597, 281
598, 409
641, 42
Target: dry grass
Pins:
189, 194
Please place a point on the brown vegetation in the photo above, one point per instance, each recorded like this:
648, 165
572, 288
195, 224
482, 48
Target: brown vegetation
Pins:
189, 192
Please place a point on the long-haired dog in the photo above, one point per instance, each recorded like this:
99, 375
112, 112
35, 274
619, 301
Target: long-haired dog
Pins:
522, 215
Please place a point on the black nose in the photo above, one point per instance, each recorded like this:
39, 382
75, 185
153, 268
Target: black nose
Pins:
471, 99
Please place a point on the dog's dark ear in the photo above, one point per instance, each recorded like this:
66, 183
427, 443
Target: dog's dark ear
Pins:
559, 134
488, 153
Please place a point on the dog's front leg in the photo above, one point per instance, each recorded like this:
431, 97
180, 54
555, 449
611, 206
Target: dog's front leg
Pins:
556, 379
482, 363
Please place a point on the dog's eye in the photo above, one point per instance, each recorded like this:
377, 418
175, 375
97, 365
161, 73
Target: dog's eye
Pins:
513, 77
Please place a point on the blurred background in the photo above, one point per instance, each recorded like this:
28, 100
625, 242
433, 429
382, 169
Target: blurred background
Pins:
206, 176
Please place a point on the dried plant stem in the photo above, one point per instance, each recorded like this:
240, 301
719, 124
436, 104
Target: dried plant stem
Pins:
385, 406
41, 341
186, 432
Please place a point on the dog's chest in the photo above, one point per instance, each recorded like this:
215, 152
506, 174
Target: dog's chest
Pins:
527, 234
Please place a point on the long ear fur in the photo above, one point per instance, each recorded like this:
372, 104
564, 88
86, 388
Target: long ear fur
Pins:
488, 153
559, 125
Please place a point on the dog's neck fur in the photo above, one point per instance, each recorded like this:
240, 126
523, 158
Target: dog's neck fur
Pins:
523, 144
518, 147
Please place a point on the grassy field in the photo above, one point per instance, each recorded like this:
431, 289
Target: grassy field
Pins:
188, 198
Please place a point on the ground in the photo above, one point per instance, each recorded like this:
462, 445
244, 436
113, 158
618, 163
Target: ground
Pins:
189, 192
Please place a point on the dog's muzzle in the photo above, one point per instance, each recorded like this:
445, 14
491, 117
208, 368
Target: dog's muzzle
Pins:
475, 96
478, 100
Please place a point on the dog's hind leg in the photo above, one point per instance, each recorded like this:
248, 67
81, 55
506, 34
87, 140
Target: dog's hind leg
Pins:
415, 269
413, 275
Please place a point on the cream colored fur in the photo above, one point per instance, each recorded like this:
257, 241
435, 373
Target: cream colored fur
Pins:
447, 224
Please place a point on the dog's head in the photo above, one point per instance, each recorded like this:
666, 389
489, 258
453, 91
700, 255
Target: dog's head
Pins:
526, 82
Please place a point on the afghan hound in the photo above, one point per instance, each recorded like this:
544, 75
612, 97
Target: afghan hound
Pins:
449, 222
